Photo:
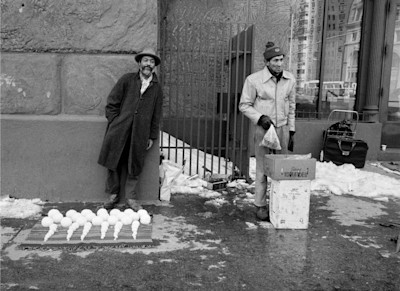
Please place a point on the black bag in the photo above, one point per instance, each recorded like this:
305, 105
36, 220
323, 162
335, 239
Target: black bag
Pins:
341, 128
345, 150
340, 145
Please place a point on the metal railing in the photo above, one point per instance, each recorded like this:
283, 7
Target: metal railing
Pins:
203, 70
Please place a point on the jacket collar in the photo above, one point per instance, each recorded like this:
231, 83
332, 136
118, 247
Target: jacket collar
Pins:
266, 74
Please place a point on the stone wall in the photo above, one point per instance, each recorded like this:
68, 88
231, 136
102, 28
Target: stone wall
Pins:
59, 61
65, 56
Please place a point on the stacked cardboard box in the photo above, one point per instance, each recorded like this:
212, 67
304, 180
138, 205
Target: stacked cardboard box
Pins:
291, 176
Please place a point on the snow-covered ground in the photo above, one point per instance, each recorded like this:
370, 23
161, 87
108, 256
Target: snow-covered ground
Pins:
330, 180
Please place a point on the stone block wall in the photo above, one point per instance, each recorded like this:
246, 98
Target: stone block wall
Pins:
59, 61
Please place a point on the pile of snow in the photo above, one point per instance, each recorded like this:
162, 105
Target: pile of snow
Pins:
330, 179
346, 179
19, 208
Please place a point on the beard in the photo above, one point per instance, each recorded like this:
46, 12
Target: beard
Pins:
146, 72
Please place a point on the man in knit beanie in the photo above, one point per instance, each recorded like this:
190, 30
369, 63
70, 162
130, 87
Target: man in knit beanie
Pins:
268, 99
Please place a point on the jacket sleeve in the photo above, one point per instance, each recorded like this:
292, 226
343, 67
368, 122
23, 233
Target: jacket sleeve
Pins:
155, 121
246, 105
114, 100
292, 108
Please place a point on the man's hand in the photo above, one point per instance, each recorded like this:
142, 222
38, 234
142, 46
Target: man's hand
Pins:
265, 122
149, 144
291, 140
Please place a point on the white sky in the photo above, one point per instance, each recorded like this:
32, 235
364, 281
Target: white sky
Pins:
330, 180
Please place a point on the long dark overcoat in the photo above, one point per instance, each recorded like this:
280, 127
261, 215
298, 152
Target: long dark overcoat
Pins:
129, 112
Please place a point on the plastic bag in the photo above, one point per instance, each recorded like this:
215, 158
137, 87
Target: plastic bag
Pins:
271, 140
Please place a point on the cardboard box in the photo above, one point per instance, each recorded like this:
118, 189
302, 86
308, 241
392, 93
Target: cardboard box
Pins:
289, 204
289, 167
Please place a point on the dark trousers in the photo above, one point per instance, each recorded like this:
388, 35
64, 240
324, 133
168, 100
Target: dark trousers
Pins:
115, 180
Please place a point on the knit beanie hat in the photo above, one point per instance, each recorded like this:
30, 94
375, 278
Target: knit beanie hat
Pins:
271, 50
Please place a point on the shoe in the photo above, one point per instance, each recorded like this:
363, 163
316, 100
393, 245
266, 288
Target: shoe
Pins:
263, 213
112, 201
132, 203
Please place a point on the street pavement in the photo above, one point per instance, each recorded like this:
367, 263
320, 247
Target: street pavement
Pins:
218, 244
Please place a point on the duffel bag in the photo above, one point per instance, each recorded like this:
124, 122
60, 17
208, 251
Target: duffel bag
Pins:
345, 150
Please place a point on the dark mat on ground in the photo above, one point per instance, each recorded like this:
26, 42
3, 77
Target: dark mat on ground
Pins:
93, 238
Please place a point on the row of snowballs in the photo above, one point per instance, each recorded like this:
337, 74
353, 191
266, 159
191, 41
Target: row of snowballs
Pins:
126, 217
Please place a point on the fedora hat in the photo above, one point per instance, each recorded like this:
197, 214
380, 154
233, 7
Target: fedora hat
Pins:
148, 52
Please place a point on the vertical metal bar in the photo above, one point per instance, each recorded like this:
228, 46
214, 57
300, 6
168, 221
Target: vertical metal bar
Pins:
214, 96
198, 97
169, 74
206, 91
191, 99
162, 72
228, 103
235, 104
184, 92
241, 116
177, 76
221, 104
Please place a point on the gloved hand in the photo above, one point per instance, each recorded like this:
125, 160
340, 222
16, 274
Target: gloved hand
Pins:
265, 122
291, 140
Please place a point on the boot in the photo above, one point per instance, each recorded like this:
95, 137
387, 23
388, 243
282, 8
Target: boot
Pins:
132, 203
263, 213
112, 202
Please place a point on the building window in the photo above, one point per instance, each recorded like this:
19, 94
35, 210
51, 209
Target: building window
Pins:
323, 86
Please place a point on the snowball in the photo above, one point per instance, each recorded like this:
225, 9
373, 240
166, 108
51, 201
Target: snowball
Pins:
145, 219
112, 220
53, 212
76, 216
102, 212
115, 212
81, 220
57, 217
127, 219
121, 215
47, 221
86, 212
142, 212
135, 216
97, 220
66, 222
70, 213
129, 211
90, 216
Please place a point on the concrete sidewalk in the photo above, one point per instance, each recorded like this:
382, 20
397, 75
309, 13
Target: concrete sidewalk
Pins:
206, 244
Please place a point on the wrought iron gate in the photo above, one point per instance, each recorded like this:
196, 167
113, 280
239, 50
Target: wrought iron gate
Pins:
203, 69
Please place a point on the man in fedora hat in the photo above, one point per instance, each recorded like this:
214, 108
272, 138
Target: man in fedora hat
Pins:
268, 99
133, 112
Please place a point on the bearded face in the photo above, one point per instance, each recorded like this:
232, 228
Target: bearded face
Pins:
146, 66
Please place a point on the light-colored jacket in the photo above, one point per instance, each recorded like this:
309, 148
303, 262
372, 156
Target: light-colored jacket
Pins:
261, 95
